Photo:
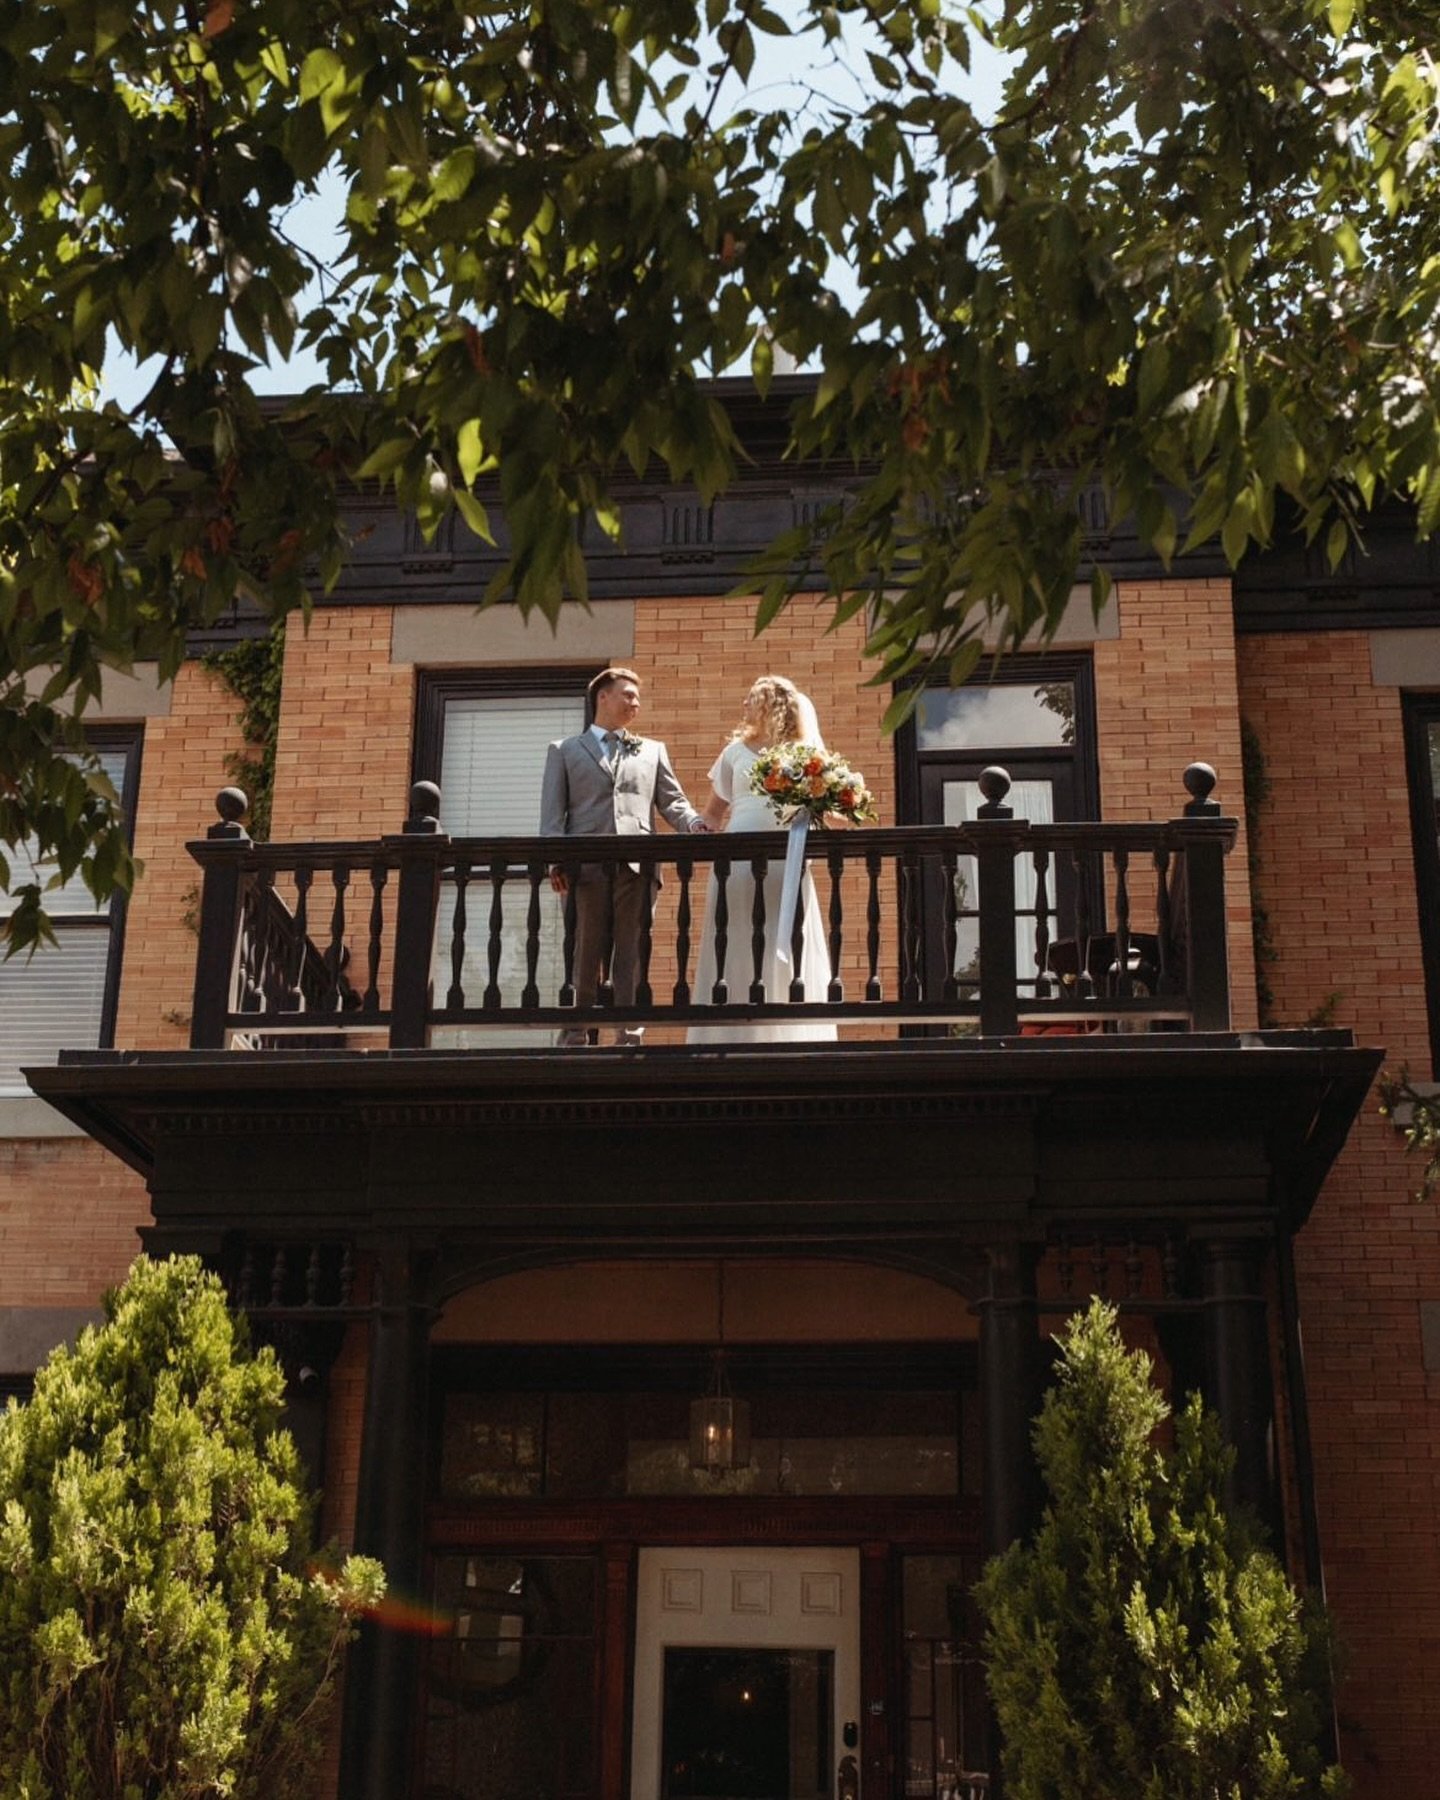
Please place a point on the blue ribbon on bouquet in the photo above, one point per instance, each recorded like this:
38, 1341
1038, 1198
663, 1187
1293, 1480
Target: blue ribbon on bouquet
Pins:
790, 887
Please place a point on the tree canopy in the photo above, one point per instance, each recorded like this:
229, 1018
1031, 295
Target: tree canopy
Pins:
1193, 256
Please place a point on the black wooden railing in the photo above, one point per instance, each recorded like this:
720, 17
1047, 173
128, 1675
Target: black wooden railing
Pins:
997, 926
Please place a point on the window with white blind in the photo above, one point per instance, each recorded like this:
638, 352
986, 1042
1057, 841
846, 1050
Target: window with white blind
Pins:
483, 738
63, 997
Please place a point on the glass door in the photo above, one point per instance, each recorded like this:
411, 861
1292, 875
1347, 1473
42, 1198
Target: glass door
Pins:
1034, 717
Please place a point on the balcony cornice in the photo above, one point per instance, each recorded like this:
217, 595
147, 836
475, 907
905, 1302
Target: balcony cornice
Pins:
920, 1140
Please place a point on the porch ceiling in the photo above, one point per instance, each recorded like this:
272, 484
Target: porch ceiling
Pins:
637, 1149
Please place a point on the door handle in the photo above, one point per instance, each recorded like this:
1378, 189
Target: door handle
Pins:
847, 1780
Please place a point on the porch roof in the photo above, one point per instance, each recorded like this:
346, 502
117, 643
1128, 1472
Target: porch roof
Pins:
674, 1147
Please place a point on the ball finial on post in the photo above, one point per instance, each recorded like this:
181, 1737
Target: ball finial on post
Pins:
1199, 780
994, 785
232, 803
424, 817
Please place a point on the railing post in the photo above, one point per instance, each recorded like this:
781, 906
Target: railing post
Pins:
219, 922
417, 897
995, 836
1207, 953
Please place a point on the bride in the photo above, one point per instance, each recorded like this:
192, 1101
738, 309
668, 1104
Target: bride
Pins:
775, 712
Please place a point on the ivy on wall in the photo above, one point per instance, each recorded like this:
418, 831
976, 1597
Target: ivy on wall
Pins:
252, 671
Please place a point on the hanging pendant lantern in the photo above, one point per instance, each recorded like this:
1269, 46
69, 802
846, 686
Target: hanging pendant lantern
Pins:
719, 1426
719, 1423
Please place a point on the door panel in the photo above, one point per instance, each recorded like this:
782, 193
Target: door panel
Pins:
747, 1674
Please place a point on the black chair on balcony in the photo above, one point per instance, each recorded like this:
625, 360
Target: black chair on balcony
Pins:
1101, 964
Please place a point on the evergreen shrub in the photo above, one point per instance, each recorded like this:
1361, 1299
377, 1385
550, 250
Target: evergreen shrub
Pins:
1146, 1646
165, 1633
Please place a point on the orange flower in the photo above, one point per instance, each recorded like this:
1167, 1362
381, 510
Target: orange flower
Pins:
816, 785
815, 765
847, 796
774, 783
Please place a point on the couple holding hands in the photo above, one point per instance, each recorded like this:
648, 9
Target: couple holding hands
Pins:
609, 781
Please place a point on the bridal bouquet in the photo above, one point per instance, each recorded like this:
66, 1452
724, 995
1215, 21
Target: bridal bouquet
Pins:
801, 778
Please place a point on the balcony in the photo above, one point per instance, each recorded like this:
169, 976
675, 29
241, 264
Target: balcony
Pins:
993, 929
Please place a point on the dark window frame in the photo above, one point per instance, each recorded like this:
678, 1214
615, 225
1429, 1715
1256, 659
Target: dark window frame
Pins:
1017, 670
130, 739
1418, 712
435, 689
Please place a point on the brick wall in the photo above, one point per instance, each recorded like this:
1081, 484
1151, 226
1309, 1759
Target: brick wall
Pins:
69, 1214
342, 767
182, 768
1336, 874
1166, 696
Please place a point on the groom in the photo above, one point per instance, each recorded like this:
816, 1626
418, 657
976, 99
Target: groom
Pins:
603, 783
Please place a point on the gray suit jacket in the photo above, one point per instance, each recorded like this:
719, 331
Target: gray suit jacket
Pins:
581, 798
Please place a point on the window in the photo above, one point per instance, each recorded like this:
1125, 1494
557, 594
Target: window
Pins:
945, 1709
1422, 756
1034, 716
63, 998
510, 1686
482, 738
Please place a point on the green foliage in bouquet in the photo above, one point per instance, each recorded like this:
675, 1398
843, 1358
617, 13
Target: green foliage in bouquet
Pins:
163, 1635
1145, 1646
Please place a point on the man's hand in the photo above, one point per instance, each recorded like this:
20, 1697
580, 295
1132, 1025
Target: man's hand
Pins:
698, 827
559, 882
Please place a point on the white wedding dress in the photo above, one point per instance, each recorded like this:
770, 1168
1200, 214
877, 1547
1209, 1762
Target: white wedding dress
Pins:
730, 778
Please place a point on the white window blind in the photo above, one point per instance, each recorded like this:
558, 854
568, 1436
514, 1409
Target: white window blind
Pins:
492, 761
52, 1001
55, 999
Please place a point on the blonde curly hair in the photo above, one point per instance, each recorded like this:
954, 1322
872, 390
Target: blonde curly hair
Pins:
776, 712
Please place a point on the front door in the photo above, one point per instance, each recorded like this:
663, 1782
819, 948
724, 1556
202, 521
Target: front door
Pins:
747, 1675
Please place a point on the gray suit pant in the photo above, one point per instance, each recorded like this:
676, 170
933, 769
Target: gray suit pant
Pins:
634, 896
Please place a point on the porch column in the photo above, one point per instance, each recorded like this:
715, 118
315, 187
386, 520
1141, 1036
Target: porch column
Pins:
381, 1685
1010, 1394
1237, 1380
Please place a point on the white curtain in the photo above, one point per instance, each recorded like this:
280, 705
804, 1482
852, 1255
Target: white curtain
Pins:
1032, 800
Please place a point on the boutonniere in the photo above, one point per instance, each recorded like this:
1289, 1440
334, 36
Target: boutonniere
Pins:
627, 743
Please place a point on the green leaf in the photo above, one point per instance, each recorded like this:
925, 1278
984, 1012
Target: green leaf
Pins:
275, 62
321, 69
385, 458
1337, 542
762, 362
474, 514
1428, 508
469, 450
